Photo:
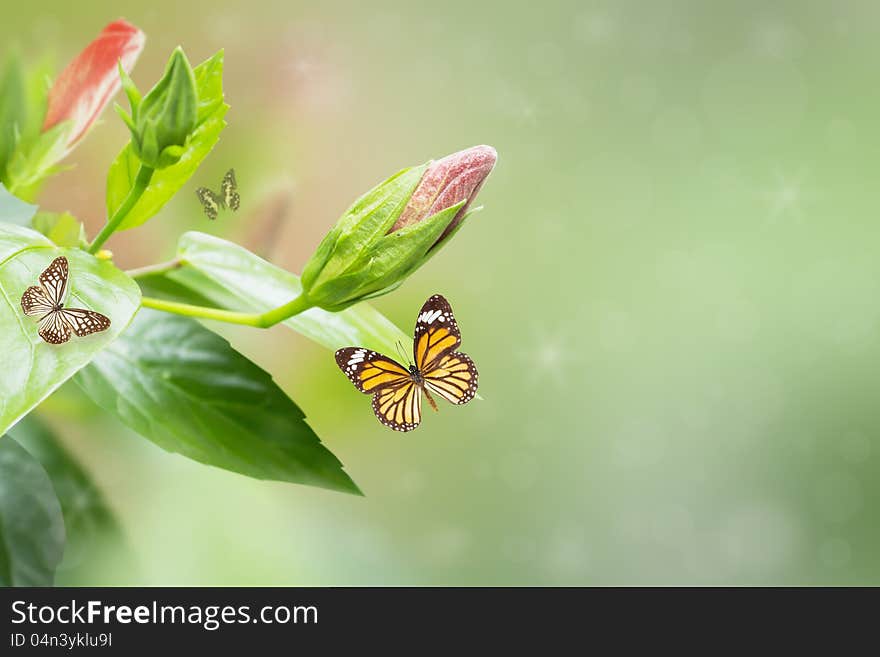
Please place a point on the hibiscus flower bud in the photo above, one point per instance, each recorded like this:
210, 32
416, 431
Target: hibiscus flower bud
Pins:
393, 229
83, 89
162, 121
448, 181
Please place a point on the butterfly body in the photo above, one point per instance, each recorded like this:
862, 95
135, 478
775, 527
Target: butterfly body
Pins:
228, 197
419, 380
46, 302
438, 368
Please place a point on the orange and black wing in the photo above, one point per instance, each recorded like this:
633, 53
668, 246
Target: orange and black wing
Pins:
399, 406
453, 377
370, 371
396, 397
436, 334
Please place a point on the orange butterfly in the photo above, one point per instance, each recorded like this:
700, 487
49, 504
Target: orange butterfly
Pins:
439, 368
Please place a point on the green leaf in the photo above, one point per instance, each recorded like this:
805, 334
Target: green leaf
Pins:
13, 110
38, 83
162, 287
183, 387
166, 182
32, 369
88, 521
13, 210
37, 158
63, 229
21, 121
31, 524
236, 279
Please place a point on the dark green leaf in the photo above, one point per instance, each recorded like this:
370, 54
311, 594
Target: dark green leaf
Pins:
185, 388
31, 524
89, 522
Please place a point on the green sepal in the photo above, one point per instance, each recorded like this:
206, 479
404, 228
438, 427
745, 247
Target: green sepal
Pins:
369, 217
126, 118
167, 115
387, 263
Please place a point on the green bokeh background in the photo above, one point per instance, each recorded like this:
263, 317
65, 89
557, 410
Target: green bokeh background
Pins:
672, 292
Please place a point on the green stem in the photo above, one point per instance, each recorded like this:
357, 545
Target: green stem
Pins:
137, 190
152, 270
258, 320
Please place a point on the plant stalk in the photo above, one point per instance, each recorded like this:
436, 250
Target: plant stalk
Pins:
257, 320
137, 190
153, 270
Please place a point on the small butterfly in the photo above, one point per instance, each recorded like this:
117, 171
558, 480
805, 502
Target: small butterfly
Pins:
227, 198
46, 301
439, 368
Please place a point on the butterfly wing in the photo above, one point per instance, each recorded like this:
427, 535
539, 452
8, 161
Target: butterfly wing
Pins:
55, 280
35, 302
210, 201
53, 329
436, 333
84, 322
370, 371
396, 397
449, 373
229, 190
399, 406
453, 377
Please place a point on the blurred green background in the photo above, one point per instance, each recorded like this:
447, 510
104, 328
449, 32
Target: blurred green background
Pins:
671, 293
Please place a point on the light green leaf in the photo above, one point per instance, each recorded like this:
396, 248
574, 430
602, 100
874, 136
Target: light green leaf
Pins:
63, 229
13, 109
21, 123
36, 158
31, 368
183, 387
89, 523
236, 279
161, 286
165, 183
31, 524
13, 210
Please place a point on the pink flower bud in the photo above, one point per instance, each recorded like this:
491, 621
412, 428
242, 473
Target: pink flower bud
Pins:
455, 178
88, 83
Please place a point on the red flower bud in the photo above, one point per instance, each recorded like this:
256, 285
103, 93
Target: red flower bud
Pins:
450, 180
88, 83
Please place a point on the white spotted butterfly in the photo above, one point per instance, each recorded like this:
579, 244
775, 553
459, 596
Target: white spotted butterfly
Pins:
46, 302
227, 198
438, 368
